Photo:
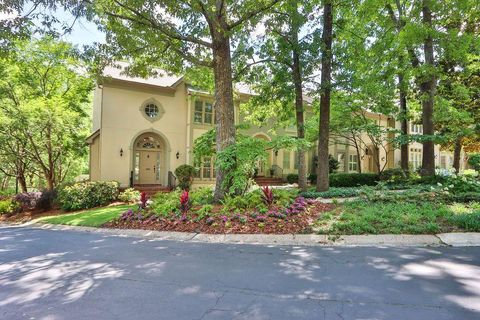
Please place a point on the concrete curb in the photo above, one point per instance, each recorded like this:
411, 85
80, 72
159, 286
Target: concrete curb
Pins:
402, 240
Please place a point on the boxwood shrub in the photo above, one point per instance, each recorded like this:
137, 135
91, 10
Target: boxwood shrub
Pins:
349, 179
9, 206
292, 178
332, 193
85, 195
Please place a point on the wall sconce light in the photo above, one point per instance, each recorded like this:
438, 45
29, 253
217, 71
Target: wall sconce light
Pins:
177, 154
383, 158
276, 153
121, 152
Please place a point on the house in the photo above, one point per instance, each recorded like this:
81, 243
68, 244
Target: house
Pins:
145, 128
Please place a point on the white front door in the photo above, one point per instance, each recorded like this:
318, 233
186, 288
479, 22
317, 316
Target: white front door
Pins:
149, 167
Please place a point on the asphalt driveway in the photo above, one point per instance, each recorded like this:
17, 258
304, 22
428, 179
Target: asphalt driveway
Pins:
47, 274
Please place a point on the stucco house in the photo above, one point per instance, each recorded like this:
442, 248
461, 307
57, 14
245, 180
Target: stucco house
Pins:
145, 128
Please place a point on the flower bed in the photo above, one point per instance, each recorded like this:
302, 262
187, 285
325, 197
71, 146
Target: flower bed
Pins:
270, 216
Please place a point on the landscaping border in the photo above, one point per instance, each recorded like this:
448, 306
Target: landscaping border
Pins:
387, 240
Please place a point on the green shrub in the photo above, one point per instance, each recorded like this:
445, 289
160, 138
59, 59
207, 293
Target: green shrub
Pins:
284, 197
204, 212
395, 175
166, 203
474, 161
467, 221
9, 206
333, 192
185, 174
201, 196
464, 197
85, 195
292, 178
353, 179
129, 195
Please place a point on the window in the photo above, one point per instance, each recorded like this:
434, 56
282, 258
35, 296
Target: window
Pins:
416, 128
151, 110
443, 162
204, 113
205, 168
352, 162
286, 159
341, 162
415, 158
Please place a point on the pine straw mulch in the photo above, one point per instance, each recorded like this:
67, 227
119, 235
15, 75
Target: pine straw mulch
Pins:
299, 223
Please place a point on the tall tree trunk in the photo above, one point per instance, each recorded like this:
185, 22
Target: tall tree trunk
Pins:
22, 182
297, 80
404, 122
456, 154
359, 160
224, 106
324, 123
428, 95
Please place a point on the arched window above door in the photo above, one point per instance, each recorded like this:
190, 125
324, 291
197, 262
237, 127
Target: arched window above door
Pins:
148, 141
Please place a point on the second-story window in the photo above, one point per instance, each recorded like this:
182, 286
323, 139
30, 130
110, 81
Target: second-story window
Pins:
204, 113
416, 128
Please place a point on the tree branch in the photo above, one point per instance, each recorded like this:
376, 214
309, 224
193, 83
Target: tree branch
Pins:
251, 14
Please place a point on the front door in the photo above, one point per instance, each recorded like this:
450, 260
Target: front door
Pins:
149, 167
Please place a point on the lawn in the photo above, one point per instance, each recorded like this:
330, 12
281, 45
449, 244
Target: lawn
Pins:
90, 218
364, 217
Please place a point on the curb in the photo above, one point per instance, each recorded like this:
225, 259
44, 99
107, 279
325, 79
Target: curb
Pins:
388, 240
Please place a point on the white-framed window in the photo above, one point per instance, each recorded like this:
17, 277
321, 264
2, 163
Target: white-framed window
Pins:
416, 128
286, 159
352, 162
341, 162
204, 113
205, 168
415, 156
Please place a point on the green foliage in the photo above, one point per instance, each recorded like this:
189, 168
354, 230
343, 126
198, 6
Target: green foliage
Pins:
201, 196
474, 161
9, 206
129, 195
460, 184
166, 203
284, 197
185, 174
292, 178
204, 212
467, 221
353, 179
395, 175
332, 192
85, 195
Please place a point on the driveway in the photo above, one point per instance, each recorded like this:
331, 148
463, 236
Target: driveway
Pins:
46, 274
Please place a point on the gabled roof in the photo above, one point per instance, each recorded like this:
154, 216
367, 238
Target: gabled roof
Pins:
91, 137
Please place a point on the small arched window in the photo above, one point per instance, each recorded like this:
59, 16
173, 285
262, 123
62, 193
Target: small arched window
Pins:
152, 110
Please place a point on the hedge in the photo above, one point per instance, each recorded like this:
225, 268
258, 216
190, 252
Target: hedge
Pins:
349, 179
85, 195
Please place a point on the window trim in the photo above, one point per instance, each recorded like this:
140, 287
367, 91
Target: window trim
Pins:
161, 110
352, 163
203, 112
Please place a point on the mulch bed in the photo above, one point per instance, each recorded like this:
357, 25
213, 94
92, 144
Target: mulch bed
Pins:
29, 215
299, 223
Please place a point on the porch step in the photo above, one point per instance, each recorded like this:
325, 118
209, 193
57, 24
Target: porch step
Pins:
268, 181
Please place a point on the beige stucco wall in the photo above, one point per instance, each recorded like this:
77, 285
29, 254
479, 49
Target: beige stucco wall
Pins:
123, 121
95, 159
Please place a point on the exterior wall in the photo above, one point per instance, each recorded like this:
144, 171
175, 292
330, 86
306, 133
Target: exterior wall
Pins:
95, 159
123, 121
97, 109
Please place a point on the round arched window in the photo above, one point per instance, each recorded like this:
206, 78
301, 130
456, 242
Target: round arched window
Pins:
151, 110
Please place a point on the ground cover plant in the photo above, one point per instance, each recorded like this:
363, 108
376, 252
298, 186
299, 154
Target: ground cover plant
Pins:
263, 210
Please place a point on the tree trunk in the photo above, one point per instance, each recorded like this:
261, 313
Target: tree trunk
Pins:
456, 154
297, 80
404, 122
324, 123
428, 95
23, 183
224, 107
359, 160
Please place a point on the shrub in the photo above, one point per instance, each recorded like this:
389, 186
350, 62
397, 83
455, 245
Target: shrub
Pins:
292, 178
353, 179
85, 195
462, 197
28, 200
184, 202
129, 195
460, 184
164, 204
204, 212
267, 196
185, 174
333, 164
9, 206
394, 175
201, 196
46, 200
332, 193
474, 161
284, 197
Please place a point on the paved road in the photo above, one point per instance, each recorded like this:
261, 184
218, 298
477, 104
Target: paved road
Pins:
72, 275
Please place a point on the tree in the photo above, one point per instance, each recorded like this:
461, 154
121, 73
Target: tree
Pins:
283, 61
179, 36
44, 99
324, 122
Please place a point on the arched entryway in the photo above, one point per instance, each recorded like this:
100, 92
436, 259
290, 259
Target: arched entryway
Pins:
149, 159
263, 167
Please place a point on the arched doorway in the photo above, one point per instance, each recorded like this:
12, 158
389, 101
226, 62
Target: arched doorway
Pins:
263, 167
149, 159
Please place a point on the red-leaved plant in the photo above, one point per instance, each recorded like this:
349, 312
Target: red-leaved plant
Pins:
267, 195
184, 203
143, 199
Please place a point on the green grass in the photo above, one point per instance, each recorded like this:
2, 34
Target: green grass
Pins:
89, 218
364, 217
